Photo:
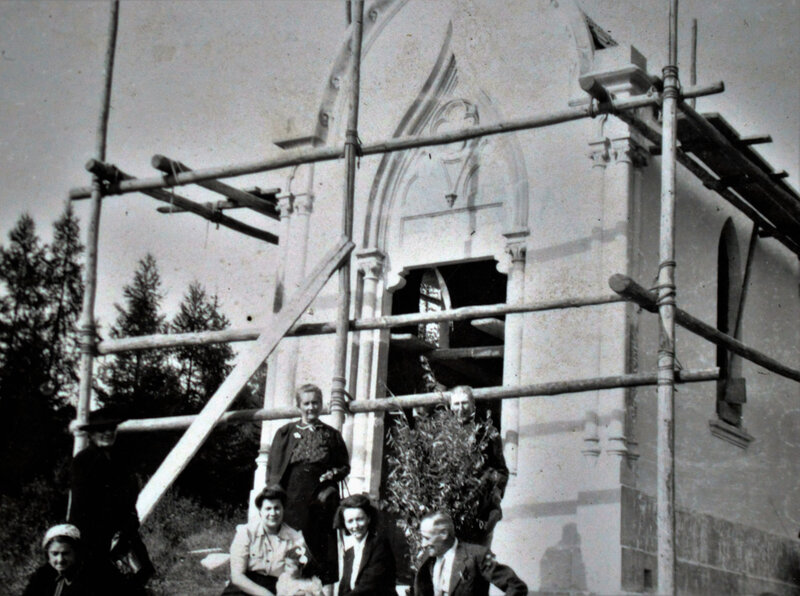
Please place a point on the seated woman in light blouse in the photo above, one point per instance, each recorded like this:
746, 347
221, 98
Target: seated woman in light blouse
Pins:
259, 549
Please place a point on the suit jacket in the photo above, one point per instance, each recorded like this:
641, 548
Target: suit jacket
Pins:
376, 574
474, 568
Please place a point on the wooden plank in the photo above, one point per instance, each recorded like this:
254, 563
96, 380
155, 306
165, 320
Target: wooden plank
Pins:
111, 172
494, 327
549, 388
201, 428
171, 166
473, 353
631, 290
200, 338
408, 342
316, 155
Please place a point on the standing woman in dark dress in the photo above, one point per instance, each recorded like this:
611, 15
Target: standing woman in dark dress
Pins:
103, 500
308, 458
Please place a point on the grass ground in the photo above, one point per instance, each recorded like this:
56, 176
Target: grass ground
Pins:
178, 526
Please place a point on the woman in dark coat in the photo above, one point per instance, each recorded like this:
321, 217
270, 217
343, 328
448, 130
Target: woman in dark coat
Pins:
308, 458
66, 572
369, 566
103, 500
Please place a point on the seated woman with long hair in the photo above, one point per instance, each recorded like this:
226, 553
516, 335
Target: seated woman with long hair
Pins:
369, 566
259, 549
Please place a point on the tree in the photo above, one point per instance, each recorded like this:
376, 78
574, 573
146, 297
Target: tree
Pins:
65, 294
142, 382
222, 470
31, 435
201, 369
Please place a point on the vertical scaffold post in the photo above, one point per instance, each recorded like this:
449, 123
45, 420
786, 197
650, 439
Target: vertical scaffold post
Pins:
350, 151
86, 326
665, 511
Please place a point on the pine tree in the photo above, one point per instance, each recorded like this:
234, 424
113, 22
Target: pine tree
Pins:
201, 369
29, 431
223, 469
141, 383
65, 294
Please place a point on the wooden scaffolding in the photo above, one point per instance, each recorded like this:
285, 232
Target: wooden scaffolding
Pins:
708, 148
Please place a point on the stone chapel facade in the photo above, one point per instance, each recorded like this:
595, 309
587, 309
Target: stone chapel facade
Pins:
538, 215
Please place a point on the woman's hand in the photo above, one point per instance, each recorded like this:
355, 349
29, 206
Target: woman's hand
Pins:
326, 476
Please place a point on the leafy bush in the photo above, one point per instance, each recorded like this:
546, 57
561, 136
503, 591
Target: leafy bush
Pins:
435, 465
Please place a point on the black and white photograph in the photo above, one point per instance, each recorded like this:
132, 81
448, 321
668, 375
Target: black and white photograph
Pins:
399, 297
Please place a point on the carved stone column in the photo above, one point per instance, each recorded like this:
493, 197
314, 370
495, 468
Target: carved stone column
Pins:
600, 156
368, 428
512, 360
616, 250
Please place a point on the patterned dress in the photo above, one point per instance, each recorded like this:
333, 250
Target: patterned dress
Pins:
299, 455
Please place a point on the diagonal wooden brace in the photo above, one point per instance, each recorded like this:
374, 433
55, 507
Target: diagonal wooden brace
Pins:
274, 330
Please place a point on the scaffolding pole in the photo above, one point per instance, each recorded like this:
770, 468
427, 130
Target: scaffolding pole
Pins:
550, 388
87, 331
631, 290
665, 484
308, 156
200, 338
350, 151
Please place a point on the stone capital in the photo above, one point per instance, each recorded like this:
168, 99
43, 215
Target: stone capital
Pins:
285, 205
599, 152
628, 151
514, 251
371, 263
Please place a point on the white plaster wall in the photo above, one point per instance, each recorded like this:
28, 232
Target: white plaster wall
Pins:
757, 486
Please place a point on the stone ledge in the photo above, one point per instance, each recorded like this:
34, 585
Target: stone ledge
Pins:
732, 434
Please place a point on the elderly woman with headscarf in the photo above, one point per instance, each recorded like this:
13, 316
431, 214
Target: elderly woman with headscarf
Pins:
259, 548
65, 572
308, 458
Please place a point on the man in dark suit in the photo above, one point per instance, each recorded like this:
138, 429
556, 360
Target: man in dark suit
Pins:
453, 568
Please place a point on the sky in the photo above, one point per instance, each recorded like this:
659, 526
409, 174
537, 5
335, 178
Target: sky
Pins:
210, 83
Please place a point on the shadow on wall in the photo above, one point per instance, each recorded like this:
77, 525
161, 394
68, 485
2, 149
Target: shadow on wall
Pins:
562, 565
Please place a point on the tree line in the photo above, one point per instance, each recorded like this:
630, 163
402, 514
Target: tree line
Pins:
41, 292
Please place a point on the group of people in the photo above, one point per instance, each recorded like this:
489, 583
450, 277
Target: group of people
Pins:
300, 511
291, 547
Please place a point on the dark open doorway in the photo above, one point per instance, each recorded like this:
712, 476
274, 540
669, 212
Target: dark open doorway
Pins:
423, 353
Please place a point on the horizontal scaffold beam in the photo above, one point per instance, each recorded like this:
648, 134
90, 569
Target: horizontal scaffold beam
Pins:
653, 134
148, 342
299, 157
630, 290
171, 166
432, 399
111, 172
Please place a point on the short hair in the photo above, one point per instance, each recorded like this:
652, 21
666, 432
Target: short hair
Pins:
440, 519
307, 388
273, 493
360, 501
466, 390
